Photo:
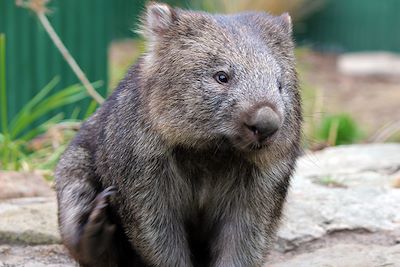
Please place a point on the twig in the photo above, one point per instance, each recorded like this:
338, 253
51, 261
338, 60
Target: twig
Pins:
40, 10
3, 93
67, 56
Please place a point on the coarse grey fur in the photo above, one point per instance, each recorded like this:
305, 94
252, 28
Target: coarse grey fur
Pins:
165, 172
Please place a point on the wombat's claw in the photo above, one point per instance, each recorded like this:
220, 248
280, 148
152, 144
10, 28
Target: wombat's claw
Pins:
101, 200
98, 230
106, 193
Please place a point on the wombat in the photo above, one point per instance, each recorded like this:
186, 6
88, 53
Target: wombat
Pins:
188, 162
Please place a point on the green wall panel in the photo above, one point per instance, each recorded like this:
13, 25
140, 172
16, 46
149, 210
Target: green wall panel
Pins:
126, 17
354, 25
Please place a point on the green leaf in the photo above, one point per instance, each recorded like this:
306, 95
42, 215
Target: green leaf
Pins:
42, 127
64, 97
91, 109
346, 129
3, 92
35, 100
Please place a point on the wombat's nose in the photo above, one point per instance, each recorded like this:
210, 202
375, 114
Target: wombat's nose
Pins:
263, 123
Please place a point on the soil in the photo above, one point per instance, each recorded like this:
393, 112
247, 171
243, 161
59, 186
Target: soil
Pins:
373, 101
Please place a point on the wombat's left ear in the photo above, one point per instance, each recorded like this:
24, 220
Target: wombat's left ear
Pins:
286, 22
158, 18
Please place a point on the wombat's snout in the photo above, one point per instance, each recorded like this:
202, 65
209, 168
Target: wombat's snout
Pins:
260, 124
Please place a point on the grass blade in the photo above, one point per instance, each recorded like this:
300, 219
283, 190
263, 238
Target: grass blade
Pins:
91, 109
66, 96
42, 127
35, 100
3, 93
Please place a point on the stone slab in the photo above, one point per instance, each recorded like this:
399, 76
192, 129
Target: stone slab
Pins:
362, 196
29, 221
34, 256
346, 255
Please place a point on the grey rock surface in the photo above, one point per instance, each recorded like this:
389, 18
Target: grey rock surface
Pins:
342, 211
346, 188
344, 161
29, 221
346, 255
369, 63
34, 256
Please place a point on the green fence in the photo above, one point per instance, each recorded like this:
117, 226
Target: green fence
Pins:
88, 26
32, 59
341, 25
354, 25
126, 15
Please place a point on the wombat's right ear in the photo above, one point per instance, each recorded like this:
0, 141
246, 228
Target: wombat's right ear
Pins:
157, 20
286, 22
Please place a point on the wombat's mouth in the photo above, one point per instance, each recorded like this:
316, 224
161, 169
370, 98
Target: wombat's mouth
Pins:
248, 142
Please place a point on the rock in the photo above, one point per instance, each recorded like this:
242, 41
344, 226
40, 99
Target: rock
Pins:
363, 64
396, 180
346, 255
351, 159
23, 184
323, 226
366, 202
29, 221
35, 256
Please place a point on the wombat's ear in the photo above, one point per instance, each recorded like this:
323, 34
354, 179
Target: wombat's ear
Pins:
286, 22
157, 19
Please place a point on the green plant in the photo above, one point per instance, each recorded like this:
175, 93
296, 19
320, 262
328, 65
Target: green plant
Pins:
329, 182
25, 125
46, 149
339, 129
14, 140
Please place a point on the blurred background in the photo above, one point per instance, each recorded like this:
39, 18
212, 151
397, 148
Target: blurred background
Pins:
347, 54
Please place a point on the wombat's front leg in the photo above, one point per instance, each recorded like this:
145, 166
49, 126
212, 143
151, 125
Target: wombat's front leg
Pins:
85, 227
247, 230
96, 236
157, 207
240, 244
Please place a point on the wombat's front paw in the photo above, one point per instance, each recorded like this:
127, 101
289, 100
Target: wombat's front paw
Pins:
97, 233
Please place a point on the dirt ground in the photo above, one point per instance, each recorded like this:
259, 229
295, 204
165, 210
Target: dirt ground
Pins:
372, 101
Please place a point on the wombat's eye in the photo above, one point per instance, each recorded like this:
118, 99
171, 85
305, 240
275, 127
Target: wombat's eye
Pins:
221, 77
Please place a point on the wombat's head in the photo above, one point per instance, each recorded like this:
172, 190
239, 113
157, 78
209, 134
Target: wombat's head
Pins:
213, 79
